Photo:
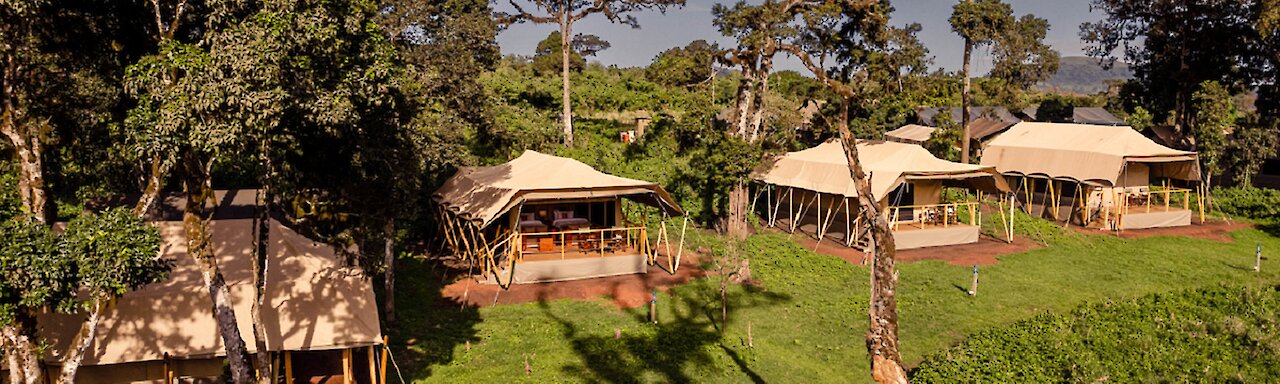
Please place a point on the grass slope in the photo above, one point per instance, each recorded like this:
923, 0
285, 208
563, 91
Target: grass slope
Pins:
807, 320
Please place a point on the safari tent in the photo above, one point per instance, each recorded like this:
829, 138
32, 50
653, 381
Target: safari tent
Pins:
320, 317
1109, 177
910, 134
811, 191
548, 218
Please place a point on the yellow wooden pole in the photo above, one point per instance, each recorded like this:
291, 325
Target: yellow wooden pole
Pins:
288, 367
346, 366
382, 368
373, 365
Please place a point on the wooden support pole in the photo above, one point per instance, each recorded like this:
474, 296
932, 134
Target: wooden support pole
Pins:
346, 367
288, 367
168, 369
373, 366
382, 364
275, 366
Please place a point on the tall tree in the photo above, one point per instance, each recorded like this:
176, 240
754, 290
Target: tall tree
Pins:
27, 67
565, 13
862, 34
683, 66
979, 22
1021, 56
1214, 115
1175, 45
445, 47
1252, 143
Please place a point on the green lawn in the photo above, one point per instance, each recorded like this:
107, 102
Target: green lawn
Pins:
807, 319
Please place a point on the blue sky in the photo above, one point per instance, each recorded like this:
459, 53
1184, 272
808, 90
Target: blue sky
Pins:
678, 27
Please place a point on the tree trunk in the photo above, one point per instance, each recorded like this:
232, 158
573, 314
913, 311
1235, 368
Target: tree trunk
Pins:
261, 253
26, 143
736, 222
964, 103
75, 352
566, 27
155, 183
745, 99
389, 275
24, 360
882, 332
762, 89
197, 185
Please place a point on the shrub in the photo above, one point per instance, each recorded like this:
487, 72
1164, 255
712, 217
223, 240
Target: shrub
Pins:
1254, 203
1219, 334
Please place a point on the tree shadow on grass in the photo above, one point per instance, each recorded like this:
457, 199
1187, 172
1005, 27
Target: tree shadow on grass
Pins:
429, 326
688, 323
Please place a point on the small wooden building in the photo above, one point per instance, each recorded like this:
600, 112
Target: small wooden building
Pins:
320, 317
548, 218
811, 191
1108, 177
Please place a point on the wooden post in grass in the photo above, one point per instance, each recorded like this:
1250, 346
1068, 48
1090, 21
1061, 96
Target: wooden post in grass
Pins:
653, 307
973, 287
750, 341
1257, 259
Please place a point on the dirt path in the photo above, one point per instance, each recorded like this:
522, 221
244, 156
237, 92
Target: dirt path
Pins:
983, 252
1216, 230
626, 291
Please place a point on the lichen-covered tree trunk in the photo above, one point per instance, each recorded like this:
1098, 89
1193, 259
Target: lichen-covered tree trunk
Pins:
261, 251
566, 28
155, 183
75, 353
26, 143
21, 352
762, 88
744, 100
195, 222
882, 332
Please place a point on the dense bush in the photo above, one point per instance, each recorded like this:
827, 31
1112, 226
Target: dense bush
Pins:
1219, 334
1253, 203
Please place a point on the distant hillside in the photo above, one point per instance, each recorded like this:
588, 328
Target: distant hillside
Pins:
1079, 74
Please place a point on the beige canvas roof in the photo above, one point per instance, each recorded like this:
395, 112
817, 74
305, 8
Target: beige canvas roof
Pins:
911, 133
1083, 152
313, 302
482, 194
825, 169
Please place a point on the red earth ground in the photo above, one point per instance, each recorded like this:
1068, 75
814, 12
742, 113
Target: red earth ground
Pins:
983, 252
1217, 230
626, 291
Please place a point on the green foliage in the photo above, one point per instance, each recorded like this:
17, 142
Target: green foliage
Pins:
944, 141
683, 66
1252, 143
1021, 56
1214, 115
549, 60
114, 252
1246, 201
34, 272
981, 21
1225, 333
1140, 119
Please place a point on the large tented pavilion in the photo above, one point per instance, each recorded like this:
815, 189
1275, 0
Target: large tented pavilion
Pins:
1109, 177
811, 191
548, 218
319, 316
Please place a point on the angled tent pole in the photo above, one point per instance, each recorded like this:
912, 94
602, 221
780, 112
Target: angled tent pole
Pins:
759, 192
822, 232
795, 222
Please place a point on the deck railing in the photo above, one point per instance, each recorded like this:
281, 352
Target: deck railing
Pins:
595, 240
944, 215
1155, 196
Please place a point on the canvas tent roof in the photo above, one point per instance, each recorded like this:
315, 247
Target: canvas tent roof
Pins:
482, 194
1083, 152
313, 302
910, 133
825, 169
1083, 115
984, 121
